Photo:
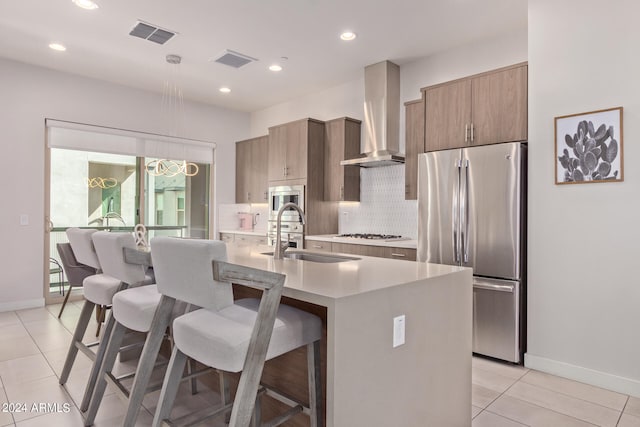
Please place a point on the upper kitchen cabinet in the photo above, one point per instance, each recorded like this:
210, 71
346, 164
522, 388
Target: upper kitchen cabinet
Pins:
251, 170
414, 145
487, 108
499, 106
341, 142
291, 147
447, 115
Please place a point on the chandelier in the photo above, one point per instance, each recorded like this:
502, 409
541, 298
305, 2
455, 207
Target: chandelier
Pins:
171, 168
172, 112
103, 183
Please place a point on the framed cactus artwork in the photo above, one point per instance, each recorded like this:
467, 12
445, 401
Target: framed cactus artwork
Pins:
589, 147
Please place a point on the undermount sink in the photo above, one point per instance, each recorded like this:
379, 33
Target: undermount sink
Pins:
314, 256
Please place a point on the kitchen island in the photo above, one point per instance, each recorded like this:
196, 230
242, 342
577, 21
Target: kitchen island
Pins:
424, 382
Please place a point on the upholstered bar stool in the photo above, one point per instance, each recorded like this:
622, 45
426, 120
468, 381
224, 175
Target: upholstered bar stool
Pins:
76, 271
136, 309
110, 250
230, 336
98, 291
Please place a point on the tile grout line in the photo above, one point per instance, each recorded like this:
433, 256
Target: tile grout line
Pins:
13, 420
623, 408
548, 409
579, 398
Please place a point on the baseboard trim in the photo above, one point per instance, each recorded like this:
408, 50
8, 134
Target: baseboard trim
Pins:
585, 375
21, 305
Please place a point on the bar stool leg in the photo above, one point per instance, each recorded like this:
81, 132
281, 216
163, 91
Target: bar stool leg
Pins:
113, 347
97, 364
78, 334
191, 368
64, 303
170, 386
315, 384
148, 357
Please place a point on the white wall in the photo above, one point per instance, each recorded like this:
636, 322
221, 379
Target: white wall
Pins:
382, 209
584, 295
31, 94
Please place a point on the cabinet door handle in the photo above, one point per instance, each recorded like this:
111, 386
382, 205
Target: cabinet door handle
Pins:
248, 196
266, 197
466, 132
406, 189
342, 192
284, 171
398, 255
316, 246
471, 132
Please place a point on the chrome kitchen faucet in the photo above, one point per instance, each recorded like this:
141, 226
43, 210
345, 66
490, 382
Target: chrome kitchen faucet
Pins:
278, 251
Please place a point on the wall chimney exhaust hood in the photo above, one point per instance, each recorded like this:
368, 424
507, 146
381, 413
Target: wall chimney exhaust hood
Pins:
381, 117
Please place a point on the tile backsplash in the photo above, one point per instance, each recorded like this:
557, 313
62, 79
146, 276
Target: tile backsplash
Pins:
382, 207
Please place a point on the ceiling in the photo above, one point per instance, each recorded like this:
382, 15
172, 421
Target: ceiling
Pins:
305, 31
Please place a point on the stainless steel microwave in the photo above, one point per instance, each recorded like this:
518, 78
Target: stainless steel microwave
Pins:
279, 196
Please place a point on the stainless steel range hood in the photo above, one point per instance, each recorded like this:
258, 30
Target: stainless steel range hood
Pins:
381, 117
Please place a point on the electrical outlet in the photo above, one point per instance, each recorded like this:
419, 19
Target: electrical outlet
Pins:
398, 331
24, 219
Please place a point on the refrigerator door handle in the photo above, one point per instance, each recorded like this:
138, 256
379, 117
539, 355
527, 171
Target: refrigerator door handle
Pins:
456, 213
464, 214
493, 287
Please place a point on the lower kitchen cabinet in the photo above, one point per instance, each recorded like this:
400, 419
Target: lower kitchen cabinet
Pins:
318, 246
407, 254
366, 250
246, 239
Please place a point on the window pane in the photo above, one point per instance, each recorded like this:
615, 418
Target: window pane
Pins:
176, 204
88, 189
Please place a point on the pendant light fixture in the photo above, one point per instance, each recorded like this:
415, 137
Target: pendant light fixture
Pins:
172, 112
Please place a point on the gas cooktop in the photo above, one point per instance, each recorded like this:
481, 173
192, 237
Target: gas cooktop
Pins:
370, 236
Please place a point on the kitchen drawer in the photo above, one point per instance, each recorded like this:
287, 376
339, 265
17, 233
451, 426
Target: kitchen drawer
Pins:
366, 250
401, 253
314, 245
227, 237
244, 239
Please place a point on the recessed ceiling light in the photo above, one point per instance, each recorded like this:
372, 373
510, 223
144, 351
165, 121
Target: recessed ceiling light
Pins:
58, 47
275, 67
85, 4
225, 89
348, 36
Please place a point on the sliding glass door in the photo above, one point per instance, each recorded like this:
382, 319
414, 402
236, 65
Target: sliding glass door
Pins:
108, 191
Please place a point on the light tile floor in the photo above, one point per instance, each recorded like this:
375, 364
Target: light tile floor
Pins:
34, 343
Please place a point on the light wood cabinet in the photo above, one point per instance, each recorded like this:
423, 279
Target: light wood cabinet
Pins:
251, 170
407, 254
318, 246
488, 108
243, 239
365, 250
296, 157
447, 115
414, 145
499, 105
289, 149
341, 142
227, 237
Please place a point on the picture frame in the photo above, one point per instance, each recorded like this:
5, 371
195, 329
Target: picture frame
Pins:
588, 147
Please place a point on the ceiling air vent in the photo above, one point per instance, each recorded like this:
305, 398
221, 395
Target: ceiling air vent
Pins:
151, 32
233, 59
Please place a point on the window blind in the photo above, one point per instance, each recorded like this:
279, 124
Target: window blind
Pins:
78, 136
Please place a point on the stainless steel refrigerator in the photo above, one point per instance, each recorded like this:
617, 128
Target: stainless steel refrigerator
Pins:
472, 212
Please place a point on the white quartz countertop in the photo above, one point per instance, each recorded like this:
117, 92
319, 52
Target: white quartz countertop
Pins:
246, 232
409, 244
324, 283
